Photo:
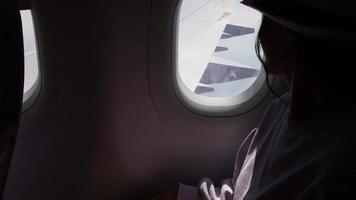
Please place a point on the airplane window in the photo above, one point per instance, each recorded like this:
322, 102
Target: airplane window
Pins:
31, 57
217, 67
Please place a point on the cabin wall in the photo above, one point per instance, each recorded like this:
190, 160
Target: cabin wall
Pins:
97, 130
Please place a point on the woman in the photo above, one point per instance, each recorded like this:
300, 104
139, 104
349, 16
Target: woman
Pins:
305, 146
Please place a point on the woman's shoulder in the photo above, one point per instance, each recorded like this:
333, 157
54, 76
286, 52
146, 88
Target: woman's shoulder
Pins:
282, 100
277, 110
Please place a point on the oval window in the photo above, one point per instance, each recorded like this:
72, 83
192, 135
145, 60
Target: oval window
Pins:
31, 58
217, 70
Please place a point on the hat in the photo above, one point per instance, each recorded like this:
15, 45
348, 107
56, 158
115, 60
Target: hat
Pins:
323, 19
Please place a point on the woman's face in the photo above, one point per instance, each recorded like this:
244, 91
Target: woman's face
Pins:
279, 48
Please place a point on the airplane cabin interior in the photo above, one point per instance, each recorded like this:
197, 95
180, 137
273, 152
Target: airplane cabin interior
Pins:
119, 99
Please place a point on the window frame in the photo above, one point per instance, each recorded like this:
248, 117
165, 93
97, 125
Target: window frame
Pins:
31, 95
209, 106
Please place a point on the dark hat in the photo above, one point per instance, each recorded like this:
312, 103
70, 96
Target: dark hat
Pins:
323, 19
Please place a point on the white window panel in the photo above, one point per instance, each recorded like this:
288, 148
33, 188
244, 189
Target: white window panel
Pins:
217, 67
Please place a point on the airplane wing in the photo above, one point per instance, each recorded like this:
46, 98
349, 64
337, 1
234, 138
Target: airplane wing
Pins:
216, 47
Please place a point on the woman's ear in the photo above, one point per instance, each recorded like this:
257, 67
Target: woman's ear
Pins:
290, 53
290, 38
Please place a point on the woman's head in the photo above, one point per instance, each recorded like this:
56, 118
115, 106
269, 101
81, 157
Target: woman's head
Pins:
314, 45
308, 37
276, 47
284, 51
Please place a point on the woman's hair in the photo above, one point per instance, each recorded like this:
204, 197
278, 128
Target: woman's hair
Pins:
329, 62
258, 46
259, 53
